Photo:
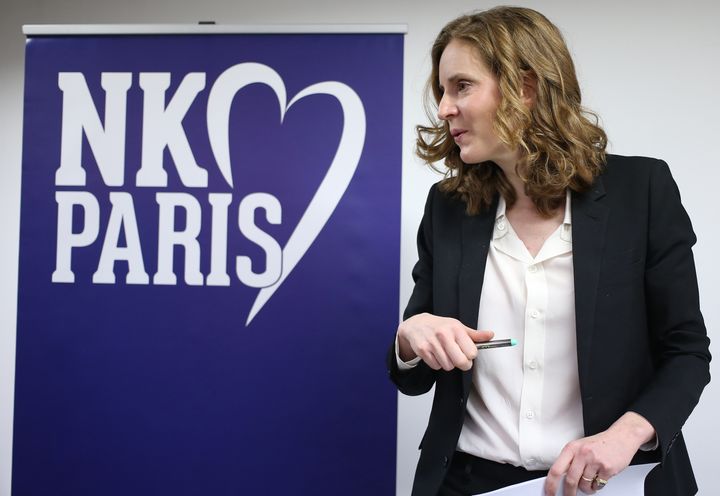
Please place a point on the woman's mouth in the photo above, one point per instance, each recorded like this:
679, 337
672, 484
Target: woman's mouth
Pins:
457, 133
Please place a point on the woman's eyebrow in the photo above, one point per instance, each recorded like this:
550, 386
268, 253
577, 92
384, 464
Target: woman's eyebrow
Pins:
459, 77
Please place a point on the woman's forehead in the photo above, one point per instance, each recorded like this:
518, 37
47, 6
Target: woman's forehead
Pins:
460, 57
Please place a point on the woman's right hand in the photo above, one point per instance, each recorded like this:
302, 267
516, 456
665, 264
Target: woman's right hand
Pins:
441, 342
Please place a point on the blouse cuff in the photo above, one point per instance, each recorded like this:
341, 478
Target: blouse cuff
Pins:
404, 365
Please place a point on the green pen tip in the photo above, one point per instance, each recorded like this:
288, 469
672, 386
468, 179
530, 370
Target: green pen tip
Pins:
513, 342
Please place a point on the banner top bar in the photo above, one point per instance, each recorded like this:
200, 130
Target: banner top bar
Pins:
115, 29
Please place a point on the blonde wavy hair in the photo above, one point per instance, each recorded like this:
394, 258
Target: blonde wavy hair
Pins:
561, 142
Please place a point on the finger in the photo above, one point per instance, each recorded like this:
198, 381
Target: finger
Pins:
585, 484
425, 351
601, 480
458, 356
430, 360
552, 483
467, 346
479, 336
576, 477
572, 478
582, 470
556, 472
454, 352
438, 350
431, 353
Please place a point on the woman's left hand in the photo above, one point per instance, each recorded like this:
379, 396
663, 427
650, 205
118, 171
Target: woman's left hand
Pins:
586, 463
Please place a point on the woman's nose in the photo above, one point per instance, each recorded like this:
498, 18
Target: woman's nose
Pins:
446, 108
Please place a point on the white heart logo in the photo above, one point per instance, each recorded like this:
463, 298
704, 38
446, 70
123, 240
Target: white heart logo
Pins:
337, 178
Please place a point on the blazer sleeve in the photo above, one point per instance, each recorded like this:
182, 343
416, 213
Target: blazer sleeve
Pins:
420, 378
678, 338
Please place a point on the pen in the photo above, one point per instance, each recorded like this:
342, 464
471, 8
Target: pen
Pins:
498, 343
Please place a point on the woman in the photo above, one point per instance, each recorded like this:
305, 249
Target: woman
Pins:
584, 258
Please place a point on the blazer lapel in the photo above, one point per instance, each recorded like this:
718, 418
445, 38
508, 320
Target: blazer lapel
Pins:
589, 221
476, 236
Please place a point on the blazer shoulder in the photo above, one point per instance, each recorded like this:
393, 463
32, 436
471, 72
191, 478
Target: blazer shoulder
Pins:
442, 201
620, 165
632, 175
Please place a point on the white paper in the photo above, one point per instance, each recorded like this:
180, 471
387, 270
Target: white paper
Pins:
629, 482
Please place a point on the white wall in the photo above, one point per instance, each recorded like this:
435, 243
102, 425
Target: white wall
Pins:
649, 67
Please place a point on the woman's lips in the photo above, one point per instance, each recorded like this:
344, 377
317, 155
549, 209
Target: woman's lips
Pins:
457, 133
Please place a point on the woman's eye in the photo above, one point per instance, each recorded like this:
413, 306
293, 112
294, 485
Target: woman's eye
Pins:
463, 85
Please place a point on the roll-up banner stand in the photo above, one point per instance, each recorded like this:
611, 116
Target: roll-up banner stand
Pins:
209, 260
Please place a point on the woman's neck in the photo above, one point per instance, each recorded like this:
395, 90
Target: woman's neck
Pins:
509, 170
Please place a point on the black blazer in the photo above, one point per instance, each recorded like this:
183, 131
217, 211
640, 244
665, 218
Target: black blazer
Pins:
641, 340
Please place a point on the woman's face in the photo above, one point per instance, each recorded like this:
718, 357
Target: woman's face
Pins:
471, 96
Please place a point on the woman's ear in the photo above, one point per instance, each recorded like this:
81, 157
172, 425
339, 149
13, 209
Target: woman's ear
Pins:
528, 93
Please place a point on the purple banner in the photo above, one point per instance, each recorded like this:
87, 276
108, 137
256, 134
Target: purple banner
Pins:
209, 265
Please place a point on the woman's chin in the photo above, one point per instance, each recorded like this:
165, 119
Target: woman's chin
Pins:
471, 158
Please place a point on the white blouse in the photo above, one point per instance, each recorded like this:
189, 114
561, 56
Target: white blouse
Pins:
525, 402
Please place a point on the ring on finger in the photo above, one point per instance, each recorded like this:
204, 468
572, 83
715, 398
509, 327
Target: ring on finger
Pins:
599, 483
588, 479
